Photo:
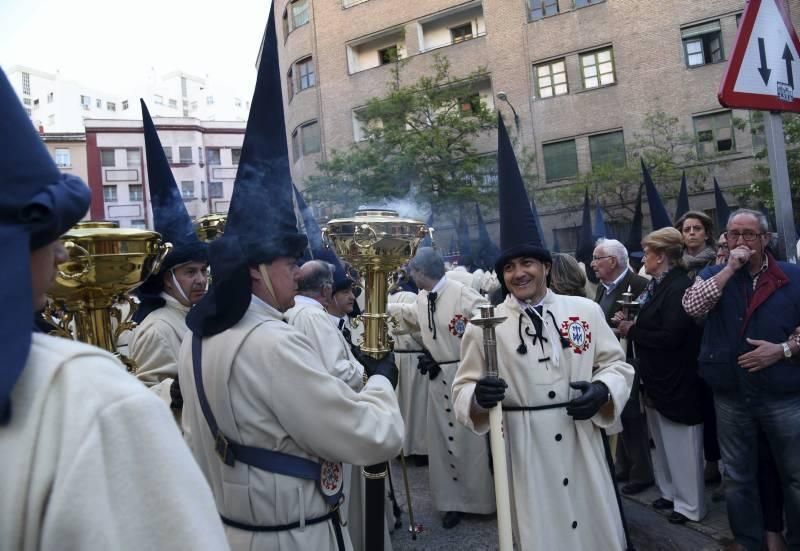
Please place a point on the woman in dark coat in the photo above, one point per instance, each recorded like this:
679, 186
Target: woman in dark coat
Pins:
667, 342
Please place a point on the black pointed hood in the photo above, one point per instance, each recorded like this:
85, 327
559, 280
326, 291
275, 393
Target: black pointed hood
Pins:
721, 209
658, 213
634, 243
519, 233
585, 247
37, 205
683, 198
261, 224
170, 219
487, 249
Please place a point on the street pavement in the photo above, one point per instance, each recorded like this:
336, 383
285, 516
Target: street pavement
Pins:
649, 529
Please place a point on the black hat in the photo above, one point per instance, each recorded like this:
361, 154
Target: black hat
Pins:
586, 241
37, 205
261, 224
519, 234
683, 198
487, 249
170, 219
658, 213
721, 209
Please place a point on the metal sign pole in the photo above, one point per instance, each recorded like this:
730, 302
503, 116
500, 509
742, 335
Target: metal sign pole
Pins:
781, 194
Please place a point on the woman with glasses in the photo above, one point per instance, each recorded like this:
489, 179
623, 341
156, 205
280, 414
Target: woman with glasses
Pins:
667, 342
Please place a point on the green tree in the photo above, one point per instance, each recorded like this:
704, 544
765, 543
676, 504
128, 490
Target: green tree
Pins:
419, 143
760, 191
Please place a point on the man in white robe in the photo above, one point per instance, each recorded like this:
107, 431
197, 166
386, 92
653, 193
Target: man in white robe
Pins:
562, 379
168, 295
458, 461
90, 458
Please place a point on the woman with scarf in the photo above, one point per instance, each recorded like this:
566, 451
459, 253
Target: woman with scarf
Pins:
667, 342
699, 251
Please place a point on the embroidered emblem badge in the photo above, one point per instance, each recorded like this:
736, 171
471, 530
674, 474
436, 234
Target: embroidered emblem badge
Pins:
331, 478
458, 325
578, 334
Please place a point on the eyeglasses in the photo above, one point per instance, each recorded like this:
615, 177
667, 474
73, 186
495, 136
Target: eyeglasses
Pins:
596, 258
748, 236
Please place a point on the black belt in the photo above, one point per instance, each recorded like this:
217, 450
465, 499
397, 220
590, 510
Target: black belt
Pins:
332, 516
408, 351
535, 408
450, 362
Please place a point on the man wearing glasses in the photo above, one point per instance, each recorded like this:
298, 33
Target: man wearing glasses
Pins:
632, 462
752, 306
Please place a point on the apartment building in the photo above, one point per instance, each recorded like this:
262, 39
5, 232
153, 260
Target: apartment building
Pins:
581, 76
57, 104
204, 156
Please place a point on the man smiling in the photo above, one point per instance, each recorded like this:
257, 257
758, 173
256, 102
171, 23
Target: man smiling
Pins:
562, 377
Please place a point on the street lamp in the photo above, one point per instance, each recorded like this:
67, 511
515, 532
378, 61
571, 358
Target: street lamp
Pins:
503, 97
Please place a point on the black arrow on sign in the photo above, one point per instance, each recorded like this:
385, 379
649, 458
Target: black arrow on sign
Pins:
764, 70
788, 57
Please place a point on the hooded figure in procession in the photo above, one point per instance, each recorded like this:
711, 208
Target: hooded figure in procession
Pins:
91, 459
268, 424
562, 378
458, 461
167, 296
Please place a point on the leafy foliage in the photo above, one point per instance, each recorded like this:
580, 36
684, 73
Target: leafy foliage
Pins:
419, 144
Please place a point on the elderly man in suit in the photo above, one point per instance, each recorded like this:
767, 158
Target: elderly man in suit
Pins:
633, 462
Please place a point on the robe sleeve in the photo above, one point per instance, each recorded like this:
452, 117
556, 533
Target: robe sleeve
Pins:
127, 481
471, 368
327, 340
153, 353
405, 317
331, 420
610, 368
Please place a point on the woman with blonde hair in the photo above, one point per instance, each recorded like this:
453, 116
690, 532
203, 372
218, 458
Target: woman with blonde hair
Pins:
567, 277
667, 342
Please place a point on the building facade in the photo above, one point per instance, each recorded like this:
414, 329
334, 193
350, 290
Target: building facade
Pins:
204, 156
582, 76
57, 104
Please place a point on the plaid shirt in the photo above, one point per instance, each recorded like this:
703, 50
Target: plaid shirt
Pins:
704, 294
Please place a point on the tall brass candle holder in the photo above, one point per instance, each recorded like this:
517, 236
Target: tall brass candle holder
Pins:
210, 226
105, 263
376, 242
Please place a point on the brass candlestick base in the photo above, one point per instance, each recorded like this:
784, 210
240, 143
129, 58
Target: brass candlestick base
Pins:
105, 263
376, 242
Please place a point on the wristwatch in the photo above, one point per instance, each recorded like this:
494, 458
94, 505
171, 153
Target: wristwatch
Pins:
787, 352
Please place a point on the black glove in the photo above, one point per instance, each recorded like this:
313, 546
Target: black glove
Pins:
489, 391
595, 395
175, 395
428, 366
384, 366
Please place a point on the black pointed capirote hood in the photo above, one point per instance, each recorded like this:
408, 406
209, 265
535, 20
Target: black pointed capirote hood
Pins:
37, 205
519, 232
658, 213
721, 209
682, 206
261, 224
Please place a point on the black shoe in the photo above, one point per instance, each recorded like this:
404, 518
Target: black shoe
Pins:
451, 519
662, 504
635, 488
677, 518
621, 477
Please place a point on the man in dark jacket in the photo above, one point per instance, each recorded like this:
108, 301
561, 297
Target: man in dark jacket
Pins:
633, 462
752, 306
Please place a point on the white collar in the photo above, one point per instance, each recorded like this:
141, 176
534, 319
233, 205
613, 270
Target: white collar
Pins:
172, 302
613, 285
270, 310
439, 285
302, 299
